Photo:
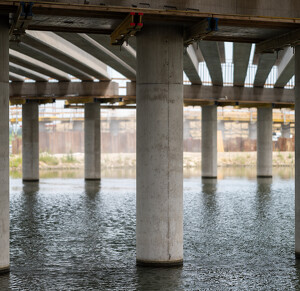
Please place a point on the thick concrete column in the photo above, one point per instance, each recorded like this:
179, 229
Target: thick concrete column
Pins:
4, 146
209, 150
159, 214
297, 151
264, 142
92, 138
30, 141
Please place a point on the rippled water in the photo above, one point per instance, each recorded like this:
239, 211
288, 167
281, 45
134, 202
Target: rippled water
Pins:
67, 234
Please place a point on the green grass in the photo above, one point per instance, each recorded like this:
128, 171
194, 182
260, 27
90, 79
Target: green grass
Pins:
15, 161
69, 159
49, 160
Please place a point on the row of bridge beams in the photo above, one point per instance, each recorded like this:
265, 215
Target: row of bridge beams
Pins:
156, 61
44, 55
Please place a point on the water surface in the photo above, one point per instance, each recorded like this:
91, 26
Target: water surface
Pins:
67, 234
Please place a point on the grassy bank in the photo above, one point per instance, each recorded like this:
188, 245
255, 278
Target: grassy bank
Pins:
123, 160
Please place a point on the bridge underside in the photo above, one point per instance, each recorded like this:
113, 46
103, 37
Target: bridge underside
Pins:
57, 42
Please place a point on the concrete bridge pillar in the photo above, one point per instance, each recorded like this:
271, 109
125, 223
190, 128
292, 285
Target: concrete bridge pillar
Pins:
92, 141
286, 130
252, 130
209, 150
297, 151
264, 142
159, 215
4, 146
30, 141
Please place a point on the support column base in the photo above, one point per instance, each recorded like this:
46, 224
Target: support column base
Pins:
159, 264
31, 180
209, 177
262, 176
4, 270
92, 179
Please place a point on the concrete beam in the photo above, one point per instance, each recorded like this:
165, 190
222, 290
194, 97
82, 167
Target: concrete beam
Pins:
290, 38
101, 53
241, 55
272, 8
210, 52
199, 31
27, 73
221, 47
61, 49
16, 78
126, 53
37, 66
286, 68
198, 52
49, 60
264, 67
191, 65
63, 90
234, 94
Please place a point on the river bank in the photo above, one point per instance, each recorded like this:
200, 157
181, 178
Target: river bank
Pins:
125, 160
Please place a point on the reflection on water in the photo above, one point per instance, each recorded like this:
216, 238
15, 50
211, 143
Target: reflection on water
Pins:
130, 173
71, 234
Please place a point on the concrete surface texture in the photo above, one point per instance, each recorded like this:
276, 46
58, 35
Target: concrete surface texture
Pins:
92, 139
297, 153
264, 142
209, 141
159, 226
4, 146
30, 136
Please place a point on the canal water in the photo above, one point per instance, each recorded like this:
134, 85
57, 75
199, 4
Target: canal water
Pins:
67, 234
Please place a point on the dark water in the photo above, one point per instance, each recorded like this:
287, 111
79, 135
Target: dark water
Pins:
67, 234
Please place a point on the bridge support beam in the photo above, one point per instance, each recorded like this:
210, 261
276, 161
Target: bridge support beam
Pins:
297, 151
30, 141
4, 146
209, 150
159, 216
264, 142
92, 141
